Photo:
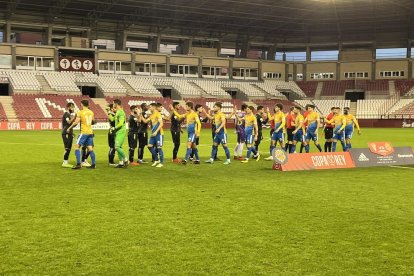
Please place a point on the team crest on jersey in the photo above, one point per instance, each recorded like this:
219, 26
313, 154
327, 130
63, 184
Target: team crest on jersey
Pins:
279, 156
381, 148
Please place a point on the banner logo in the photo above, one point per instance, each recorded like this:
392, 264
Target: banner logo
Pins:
381, 148
363, 158
280, 156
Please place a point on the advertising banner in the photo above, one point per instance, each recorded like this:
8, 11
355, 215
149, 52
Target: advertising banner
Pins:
42, 125
316, 161
387, 157
76, 64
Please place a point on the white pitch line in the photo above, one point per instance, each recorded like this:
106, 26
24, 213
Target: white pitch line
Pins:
400, 167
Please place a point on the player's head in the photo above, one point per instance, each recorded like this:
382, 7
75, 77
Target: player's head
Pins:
144, 107
176, 105
85, 103
291, 109
217, 107
153, 107
198, 107
306, 106
333, 109
117, 103
297, 109
346, 110
189, 106
278, 107
159, 106
337, 110
249, 109
310, 107
133, 108
243, 107
70, 107
260, 109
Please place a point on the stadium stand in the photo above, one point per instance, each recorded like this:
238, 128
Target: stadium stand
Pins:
406, 110
287, 86
370, 109
269, 88
336, 88
142, 85
110, 84
22, 81
51, 107
378, 87
308, 87
403, 87
324, 106
3, 115
401, 107
62, 82
212, 88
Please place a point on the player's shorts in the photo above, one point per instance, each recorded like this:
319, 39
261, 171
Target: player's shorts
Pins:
132, 140
142, 139
339, 136
241, 137
278, 136
119, 139
298, 136
289, 132
85, 140
348, 132
310, 135
328, 133
249, 138
111, 140
157, 140
220, 138
197, 141
191, 137
67, 140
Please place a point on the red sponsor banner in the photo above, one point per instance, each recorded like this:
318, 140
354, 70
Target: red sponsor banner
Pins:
27, 125
381, 148
316, 161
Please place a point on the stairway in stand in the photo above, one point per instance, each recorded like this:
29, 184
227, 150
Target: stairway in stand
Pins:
7, 103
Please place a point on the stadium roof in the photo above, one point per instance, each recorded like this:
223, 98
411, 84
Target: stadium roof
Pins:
289, 21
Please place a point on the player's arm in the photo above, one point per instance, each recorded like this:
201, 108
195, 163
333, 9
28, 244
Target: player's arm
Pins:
223, 122
179, 116
343, 124
207, 115
198, 126
318, 122
121, 122
299, 126
356, 124
256, 129
144, 120
75, 123
282, 125
269, 116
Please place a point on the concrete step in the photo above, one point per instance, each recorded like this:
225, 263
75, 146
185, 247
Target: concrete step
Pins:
7, 103
101, 102
44, 84
130, 90
318, 91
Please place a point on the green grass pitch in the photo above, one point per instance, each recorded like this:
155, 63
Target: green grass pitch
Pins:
241, 219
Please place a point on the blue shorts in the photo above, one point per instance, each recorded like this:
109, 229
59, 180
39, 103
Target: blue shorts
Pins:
298, 136
338, 136
249, 138
220, 138
348, 132
157, 140
85, 140
278, 136
191, 137
310, 134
